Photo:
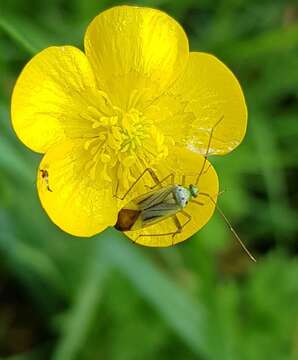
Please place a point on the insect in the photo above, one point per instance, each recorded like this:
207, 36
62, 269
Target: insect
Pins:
163, 202
157, 205
45, 176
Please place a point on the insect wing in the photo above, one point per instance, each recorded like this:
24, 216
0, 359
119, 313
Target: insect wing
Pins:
158, 213
152, 198
154, 206
143, 201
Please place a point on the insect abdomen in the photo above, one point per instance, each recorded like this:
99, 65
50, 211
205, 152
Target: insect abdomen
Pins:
126, 219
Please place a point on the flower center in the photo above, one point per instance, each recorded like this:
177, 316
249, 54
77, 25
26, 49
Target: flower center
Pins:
123, 142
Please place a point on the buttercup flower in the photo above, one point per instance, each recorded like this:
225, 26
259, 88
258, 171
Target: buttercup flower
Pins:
135, 99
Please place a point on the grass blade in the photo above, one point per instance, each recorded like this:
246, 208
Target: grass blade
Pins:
180, 311
80, 317
16, 34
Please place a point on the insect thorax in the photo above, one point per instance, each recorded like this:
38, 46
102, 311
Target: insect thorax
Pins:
182, 195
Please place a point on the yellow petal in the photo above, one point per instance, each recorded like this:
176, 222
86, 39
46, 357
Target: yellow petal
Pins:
180, 162
43, 97
75, 202
135, 52
205, 93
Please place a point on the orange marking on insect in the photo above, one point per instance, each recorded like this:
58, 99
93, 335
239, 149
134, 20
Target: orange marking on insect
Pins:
126, 219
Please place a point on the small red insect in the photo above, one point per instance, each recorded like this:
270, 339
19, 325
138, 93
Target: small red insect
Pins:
45, 176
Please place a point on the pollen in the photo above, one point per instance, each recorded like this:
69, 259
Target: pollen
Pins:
122, 142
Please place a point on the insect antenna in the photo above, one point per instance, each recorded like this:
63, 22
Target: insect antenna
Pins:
230, 227
208, 149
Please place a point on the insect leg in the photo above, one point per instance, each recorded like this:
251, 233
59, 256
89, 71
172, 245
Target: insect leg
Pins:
183, 180
49, 189
205, 194
229, 226
150, 171
208, 148
197, 202
173, 233
172, 176
179, 228
189, 217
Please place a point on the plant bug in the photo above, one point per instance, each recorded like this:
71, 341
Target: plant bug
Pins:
162, 202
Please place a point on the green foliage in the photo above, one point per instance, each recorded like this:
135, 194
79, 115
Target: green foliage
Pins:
65, 298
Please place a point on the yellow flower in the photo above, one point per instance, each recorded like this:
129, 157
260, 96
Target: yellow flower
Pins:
136, 98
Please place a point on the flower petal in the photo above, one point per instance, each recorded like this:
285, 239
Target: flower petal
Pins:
44, 97
135, 52
182, 162
77, 203
205, 93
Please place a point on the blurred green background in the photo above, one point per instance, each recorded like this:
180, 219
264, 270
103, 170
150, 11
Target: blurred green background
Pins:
66, 298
